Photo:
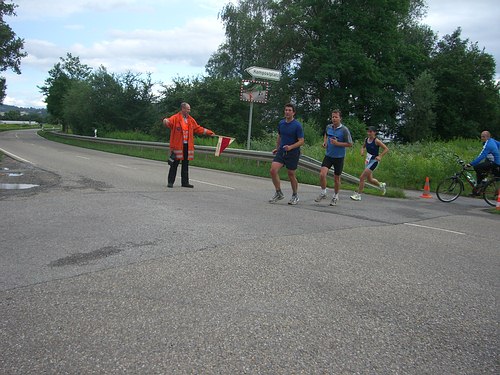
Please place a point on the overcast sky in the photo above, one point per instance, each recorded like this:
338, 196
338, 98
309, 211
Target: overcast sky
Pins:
169, 39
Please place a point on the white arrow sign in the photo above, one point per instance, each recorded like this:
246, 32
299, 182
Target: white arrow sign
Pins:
264, 73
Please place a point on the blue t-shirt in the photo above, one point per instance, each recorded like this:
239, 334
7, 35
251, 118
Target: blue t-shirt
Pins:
342, 134
290, 132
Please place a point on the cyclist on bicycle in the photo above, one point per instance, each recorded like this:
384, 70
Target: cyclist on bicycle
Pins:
489, 158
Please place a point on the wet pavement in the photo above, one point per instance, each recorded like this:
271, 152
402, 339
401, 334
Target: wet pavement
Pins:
17, 178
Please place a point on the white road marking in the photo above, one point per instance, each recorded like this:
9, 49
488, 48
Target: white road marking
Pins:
208, 183
123, 166
444, 230
82, 157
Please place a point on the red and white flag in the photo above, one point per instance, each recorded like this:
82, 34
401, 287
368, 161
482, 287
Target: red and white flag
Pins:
222, 144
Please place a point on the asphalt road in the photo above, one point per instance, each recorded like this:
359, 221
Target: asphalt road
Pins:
106, 271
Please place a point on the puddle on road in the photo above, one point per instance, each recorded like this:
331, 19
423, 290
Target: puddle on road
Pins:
17, 186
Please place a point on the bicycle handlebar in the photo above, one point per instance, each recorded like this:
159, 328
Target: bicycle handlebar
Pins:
462, 163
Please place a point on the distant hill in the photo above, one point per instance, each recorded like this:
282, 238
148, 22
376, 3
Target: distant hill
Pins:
7, 108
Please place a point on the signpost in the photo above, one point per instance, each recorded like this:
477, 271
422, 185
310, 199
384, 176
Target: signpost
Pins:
259, 73
264, 73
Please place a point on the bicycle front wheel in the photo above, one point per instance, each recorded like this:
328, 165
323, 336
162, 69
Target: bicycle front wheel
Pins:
490, 193
449, 189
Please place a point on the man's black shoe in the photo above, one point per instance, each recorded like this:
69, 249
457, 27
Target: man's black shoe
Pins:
187, 185
170, 185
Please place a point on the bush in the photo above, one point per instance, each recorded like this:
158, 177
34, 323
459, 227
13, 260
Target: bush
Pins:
356, 128
313, 135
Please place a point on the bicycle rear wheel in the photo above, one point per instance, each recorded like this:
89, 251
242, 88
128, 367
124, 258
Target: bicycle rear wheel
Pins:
449, 189
490, 192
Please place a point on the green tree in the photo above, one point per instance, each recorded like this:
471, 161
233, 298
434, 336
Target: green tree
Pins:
418, 119
109, 102
13, 115
105, 100
64, 73
247, 28
137, 111
215, 104
76, 110
10, 46
467, 99
332, 54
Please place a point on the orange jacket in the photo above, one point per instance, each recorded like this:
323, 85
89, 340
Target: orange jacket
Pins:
177, 137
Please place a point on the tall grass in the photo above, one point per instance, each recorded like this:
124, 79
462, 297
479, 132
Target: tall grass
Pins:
407, 166
7, 127
130, 135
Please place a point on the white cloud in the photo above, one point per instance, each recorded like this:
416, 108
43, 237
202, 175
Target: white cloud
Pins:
142, 50
74, 27
25, 102
166, 38
34, 9
135, 50
37, 9
42, 55
478, 21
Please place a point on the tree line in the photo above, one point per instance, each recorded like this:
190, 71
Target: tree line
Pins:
11, 46
374, 60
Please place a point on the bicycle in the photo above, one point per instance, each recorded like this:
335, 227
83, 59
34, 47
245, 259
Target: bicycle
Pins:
451, 187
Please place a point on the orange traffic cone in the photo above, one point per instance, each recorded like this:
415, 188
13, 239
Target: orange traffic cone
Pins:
427, 189
498, 200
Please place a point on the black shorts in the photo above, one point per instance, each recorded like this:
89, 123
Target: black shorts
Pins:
372, 164
337, 163
290, 159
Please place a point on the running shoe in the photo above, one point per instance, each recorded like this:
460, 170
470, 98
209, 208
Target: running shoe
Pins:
356, 197
294, 200
277, 197
320, 197
334, 201
383, 186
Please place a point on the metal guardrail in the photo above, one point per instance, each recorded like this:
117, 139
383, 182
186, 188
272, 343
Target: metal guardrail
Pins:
306, 163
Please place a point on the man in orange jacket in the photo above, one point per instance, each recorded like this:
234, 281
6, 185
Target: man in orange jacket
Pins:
182, 129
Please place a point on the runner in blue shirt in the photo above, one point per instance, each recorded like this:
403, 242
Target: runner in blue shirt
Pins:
287, 153
336, 138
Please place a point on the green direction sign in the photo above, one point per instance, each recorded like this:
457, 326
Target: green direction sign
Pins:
264, 73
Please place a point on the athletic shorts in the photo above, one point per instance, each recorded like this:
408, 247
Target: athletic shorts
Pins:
290, 159
337, 163
372, 164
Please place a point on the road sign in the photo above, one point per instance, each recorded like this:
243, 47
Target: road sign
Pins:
254, 91
264, 73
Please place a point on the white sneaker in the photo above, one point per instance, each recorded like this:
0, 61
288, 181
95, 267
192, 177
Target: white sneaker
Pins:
356, 197
320, 197
334, 201
383, 186
277, 197
294, 200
